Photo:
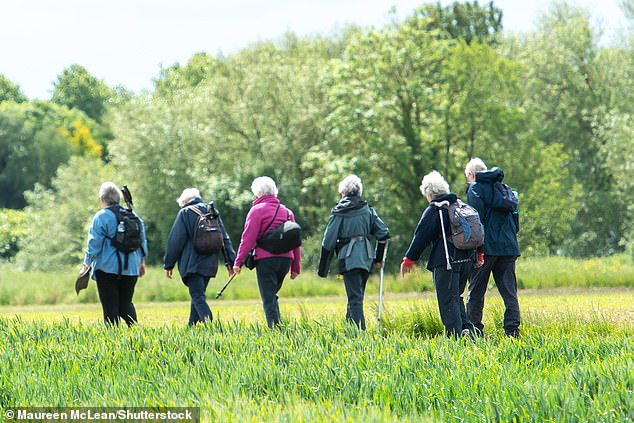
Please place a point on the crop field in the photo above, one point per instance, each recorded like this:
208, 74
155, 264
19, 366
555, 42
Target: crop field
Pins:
575, 361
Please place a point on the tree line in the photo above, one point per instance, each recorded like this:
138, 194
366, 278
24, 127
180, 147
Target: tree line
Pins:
551, 107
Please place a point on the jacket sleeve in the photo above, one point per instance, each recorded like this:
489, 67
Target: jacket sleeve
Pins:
175, 241
331, 234
230, 254
297, 252
426, 231
96, 238
248, 238
382, 234
474, 199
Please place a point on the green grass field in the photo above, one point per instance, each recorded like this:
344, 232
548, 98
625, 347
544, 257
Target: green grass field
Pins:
575, 361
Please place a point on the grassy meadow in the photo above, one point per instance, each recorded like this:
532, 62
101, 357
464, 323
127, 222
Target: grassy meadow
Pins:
574, 362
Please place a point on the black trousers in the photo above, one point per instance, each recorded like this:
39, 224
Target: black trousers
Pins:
503, 269
199, 311
355, 281
115, 294
271, 273
450, 285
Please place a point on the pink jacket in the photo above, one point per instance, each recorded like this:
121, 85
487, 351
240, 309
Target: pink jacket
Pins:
257, 220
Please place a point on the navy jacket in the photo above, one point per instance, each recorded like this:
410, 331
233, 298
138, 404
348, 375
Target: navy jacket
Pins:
428, 232
500, 227
180, 248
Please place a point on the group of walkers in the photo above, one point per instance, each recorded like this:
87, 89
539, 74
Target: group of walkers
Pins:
347, 235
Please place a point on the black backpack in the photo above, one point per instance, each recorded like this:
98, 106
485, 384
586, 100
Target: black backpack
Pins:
128, 235
207, 237
283, 238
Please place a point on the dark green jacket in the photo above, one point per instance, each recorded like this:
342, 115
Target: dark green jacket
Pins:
349, 227
500, 228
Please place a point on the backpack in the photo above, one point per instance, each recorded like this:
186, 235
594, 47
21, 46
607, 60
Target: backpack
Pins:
128, 235
467, 231
207, 237
283, 238
504, 198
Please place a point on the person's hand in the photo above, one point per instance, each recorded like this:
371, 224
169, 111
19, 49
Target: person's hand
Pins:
237, 269
294, 275
142, 269
406, 266
377, 265
230, 270
479, 261
84, 269
168, 273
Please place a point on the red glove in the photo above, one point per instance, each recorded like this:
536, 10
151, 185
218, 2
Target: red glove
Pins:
406, 265
479, 260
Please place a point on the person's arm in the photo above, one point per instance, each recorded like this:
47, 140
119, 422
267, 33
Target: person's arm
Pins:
382, 234
247, 240
175, 242
328, 245
96, 237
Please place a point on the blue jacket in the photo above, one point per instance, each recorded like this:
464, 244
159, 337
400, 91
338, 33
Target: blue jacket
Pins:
428, 232
180, 248
102, 255
500, 227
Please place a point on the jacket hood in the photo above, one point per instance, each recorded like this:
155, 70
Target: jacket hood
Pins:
193, 201
266, 198
347, 203
451, 198
490, 176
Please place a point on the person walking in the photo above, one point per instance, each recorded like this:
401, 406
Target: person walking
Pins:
195, 269
351, 223
267, 213
450, 279
500, 250
115, 272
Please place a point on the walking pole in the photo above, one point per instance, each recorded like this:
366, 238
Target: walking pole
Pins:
226, 285
378, 318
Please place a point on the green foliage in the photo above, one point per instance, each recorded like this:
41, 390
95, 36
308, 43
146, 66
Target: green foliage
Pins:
12, 229
75, 88
9, 91
28, 155
59, 216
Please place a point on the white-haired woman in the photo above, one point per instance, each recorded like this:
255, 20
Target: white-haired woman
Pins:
195, 269
115, 281
351, 223
449, 284
267, 213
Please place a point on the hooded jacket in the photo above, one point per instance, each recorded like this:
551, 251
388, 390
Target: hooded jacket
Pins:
428, 231
500, 227
351, 221
180, 247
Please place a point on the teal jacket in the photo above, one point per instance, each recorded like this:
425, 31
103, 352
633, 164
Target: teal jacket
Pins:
500, 227
349, 227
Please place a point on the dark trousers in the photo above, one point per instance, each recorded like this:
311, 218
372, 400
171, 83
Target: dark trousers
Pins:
450, 285
199, 311
355, 281
271, 273
115, 294
503, 269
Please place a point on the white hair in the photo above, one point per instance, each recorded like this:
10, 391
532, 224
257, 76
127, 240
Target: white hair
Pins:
433, 184
475, 165
351, 185
187, 195
109, 193
263, 185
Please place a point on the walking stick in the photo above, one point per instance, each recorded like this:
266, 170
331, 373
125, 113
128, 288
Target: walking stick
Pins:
226, 285
378, 318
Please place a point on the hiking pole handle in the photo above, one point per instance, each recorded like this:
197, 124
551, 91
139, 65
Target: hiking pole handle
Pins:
219, 294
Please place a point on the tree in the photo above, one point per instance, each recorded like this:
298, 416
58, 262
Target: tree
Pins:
9, 91
28, 155
76, 88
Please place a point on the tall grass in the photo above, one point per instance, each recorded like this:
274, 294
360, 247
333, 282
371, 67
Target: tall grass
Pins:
324, 371
22, 288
